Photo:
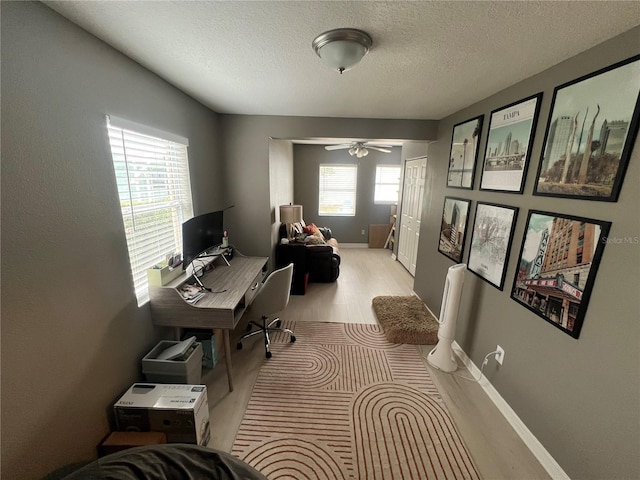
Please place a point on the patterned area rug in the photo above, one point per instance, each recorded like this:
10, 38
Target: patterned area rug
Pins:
344, 403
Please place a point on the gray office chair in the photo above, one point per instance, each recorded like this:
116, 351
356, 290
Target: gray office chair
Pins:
272, 298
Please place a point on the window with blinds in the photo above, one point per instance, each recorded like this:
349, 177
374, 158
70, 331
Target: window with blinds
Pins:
152, 176
387, 185
337, 192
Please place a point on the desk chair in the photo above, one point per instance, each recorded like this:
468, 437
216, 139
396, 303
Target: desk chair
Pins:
272, 298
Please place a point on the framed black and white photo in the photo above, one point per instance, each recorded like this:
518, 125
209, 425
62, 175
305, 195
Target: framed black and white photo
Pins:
590, 134
557, 267
464, 153
491, 238
508, 149
453, 227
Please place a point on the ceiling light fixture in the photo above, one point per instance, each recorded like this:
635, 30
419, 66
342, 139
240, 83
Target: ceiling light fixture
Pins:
342, 48
359, 151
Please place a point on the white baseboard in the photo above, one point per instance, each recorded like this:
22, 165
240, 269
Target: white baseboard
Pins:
353, 245
554, 470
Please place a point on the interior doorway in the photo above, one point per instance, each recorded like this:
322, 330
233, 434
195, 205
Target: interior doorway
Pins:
415, 172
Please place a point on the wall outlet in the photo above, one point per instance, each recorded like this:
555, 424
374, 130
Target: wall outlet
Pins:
499, 354
362, 232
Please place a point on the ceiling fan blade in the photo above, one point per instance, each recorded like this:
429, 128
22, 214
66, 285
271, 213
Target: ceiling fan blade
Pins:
338, 147
380, 149
375, 144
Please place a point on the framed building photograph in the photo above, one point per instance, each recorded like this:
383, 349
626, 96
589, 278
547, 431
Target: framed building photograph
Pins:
453, 227
464, 153
557, 268
506, 156
590, 134
491, 238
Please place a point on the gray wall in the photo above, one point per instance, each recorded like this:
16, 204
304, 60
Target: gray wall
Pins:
578, 397
72, 334
280, 182
307, 160
246, 151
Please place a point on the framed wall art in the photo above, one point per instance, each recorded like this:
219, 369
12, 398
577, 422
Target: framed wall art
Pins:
590, 134
453, 227
506, 156
464, 153
491, 238
557, 267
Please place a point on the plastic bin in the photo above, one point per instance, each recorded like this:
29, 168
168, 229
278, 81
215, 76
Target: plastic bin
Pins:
209, 343
188, 371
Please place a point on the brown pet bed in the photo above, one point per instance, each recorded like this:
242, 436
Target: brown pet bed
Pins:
406, 320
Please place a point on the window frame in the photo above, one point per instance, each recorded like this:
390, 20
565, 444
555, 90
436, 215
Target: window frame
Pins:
376, 184
352, 190
151, 173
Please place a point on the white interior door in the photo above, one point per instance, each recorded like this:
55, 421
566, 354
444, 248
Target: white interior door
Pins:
415, 172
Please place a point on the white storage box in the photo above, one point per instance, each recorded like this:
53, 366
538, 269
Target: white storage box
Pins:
163, 274
180, 411
187, 371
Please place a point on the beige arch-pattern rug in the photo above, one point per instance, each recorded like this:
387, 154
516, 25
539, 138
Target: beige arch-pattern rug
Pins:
344, 403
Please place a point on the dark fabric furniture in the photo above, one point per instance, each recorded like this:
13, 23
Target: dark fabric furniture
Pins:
165, 462
312, 263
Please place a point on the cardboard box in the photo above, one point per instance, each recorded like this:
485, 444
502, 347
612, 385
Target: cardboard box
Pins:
187, 371
180, 411
118, 441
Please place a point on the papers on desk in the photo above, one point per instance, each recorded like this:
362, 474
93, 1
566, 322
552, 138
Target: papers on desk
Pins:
192, 293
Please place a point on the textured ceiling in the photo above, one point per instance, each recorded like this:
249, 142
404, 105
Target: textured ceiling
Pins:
429, 59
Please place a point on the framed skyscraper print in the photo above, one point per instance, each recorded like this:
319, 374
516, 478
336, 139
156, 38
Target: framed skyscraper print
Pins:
590, 134
557, 268
508, 148
453, 227
464, 153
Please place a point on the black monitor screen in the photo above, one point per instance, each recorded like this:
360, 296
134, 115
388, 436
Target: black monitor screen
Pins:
199, 234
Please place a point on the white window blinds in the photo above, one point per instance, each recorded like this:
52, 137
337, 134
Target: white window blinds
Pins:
387, 184
152, 176
337, 192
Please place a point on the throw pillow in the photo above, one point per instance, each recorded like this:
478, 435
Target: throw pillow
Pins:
316, 239
298, 228
311, 229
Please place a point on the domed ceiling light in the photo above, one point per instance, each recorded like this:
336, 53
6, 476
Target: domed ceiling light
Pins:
342, 48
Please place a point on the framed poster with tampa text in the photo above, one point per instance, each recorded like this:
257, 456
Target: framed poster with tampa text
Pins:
508, 149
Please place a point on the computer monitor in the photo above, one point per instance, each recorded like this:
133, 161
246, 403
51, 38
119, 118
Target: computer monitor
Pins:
201, 233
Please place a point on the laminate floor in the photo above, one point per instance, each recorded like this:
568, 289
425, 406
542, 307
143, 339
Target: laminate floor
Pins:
365, 273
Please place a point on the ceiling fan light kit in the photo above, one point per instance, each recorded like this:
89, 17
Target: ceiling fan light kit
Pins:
358, 152
360, 149
342, 48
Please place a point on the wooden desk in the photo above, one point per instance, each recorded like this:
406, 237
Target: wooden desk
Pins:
233, 287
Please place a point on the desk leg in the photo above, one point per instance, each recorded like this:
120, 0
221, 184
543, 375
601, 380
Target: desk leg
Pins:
227, 357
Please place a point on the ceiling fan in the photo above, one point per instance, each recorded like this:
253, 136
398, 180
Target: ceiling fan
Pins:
360, 149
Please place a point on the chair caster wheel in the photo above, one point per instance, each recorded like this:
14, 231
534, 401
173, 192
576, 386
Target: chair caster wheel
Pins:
239, 346
268, 355
293, 338
278, 323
